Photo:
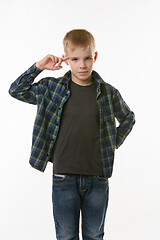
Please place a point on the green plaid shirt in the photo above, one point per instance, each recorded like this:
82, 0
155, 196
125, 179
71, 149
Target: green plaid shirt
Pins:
49, 94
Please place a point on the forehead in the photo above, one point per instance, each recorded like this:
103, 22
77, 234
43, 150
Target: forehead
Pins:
80, 52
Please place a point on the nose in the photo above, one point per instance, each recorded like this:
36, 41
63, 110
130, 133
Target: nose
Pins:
82, 65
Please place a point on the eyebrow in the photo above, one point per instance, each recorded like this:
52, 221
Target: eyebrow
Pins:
85, 57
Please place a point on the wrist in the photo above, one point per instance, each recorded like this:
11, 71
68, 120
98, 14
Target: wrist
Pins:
38, 65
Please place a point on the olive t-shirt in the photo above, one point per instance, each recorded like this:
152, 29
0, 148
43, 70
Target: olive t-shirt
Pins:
77, 147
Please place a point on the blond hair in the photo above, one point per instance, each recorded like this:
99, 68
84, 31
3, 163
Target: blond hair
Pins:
78, 38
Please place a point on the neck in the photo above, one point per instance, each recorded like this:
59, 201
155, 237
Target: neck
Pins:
85, 82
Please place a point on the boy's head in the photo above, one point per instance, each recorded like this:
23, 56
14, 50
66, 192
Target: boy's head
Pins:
79, 46
78, 38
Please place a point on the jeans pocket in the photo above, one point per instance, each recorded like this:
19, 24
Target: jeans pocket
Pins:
59, 179
101, 179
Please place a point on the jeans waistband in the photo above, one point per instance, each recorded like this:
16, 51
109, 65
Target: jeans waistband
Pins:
59, 175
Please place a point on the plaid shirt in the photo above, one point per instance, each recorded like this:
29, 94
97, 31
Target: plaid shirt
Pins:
49, 94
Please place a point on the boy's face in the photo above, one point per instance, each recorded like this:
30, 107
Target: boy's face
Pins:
81, 63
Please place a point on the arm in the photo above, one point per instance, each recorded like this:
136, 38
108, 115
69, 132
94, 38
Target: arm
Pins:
23, 87
125, 117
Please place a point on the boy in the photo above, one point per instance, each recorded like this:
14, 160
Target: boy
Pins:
75, 129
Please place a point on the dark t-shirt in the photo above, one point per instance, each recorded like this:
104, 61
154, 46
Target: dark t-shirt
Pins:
77, 147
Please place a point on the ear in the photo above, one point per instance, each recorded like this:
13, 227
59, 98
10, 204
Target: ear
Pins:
66, 61
95, 56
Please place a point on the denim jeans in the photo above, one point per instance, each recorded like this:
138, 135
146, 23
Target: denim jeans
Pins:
74, 193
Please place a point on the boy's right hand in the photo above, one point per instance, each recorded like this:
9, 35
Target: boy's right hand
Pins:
49, 62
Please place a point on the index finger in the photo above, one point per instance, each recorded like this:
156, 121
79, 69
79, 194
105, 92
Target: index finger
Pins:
65, 58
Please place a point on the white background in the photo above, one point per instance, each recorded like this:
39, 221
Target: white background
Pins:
127, 35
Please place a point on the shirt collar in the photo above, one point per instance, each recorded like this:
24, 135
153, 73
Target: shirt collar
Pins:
67, 77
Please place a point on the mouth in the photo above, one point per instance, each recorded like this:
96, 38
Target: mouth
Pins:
82, 72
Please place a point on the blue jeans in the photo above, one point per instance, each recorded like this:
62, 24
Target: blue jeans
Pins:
72, 193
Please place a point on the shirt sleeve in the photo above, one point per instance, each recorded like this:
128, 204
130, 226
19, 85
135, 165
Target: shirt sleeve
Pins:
23, 87
125, 117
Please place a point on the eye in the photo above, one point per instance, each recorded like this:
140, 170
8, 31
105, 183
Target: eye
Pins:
88, 58
74, 59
